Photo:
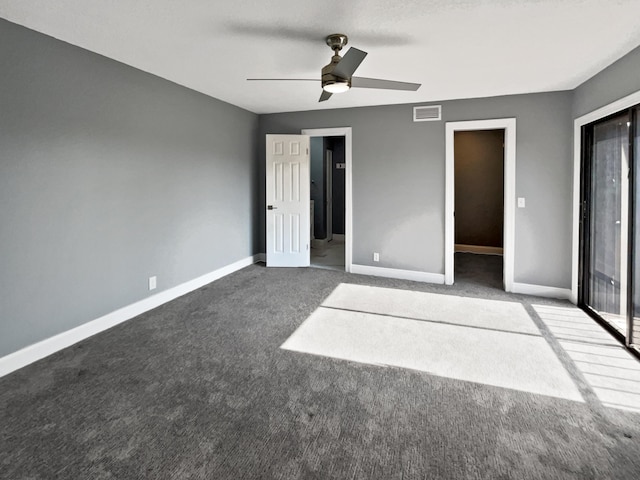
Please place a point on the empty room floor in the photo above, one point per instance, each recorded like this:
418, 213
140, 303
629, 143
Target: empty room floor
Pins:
330, 256
320, 374
475, 270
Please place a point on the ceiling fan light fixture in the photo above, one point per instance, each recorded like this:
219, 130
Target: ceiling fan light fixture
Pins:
338, 86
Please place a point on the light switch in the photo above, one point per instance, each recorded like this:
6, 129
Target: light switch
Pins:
521, 202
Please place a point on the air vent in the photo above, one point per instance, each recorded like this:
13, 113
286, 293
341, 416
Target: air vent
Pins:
427, 113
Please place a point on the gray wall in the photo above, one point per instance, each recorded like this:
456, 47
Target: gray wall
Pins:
620, 79
479, 187
109, 175
398, 180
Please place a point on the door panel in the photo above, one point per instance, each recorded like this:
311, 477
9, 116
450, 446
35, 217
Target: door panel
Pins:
295, 233
288, 227
278, 233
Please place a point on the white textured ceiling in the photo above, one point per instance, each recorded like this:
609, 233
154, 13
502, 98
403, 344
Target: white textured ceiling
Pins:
455, 48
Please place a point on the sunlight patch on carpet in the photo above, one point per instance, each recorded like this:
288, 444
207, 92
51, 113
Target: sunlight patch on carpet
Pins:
485, 341
611, 371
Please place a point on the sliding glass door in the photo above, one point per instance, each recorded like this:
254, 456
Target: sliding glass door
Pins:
634, 320
610, 268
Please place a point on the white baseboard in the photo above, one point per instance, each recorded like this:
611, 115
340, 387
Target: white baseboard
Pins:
542, 291
44, 348
397, 273
478, 249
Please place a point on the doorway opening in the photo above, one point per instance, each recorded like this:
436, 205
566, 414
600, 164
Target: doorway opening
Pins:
331, 241
328, 175
479, 206
507, 128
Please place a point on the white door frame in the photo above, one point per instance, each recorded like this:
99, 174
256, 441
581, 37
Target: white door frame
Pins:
509, 127
578, 123
348, 225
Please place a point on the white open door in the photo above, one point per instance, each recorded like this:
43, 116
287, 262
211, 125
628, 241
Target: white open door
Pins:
288, 201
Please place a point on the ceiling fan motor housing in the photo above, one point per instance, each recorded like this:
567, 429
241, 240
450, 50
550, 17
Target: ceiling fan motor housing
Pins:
328, 78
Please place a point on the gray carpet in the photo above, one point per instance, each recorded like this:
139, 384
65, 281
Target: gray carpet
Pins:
478, 270
199, 389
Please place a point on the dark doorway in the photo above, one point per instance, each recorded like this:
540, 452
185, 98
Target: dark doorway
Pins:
328, 181
479, 206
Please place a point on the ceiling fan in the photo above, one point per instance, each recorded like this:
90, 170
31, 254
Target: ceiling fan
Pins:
337, 76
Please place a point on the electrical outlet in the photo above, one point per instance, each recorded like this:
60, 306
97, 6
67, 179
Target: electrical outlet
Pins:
521, 202
153, 282
376, 257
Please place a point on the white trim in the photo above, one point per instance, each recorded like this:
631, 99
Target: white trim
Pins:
44, 348
397, 273
345, 132
542, 291
509, 126
578, 123
480, 249
605, 111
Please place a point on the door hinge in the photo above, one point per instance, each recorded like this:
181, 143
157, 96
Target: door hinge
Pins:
307, 151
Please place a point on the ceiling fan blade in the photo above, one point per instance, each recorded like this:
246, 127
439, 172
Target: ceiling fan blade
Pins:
362, 82
283, 79
351, 60
325, 96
